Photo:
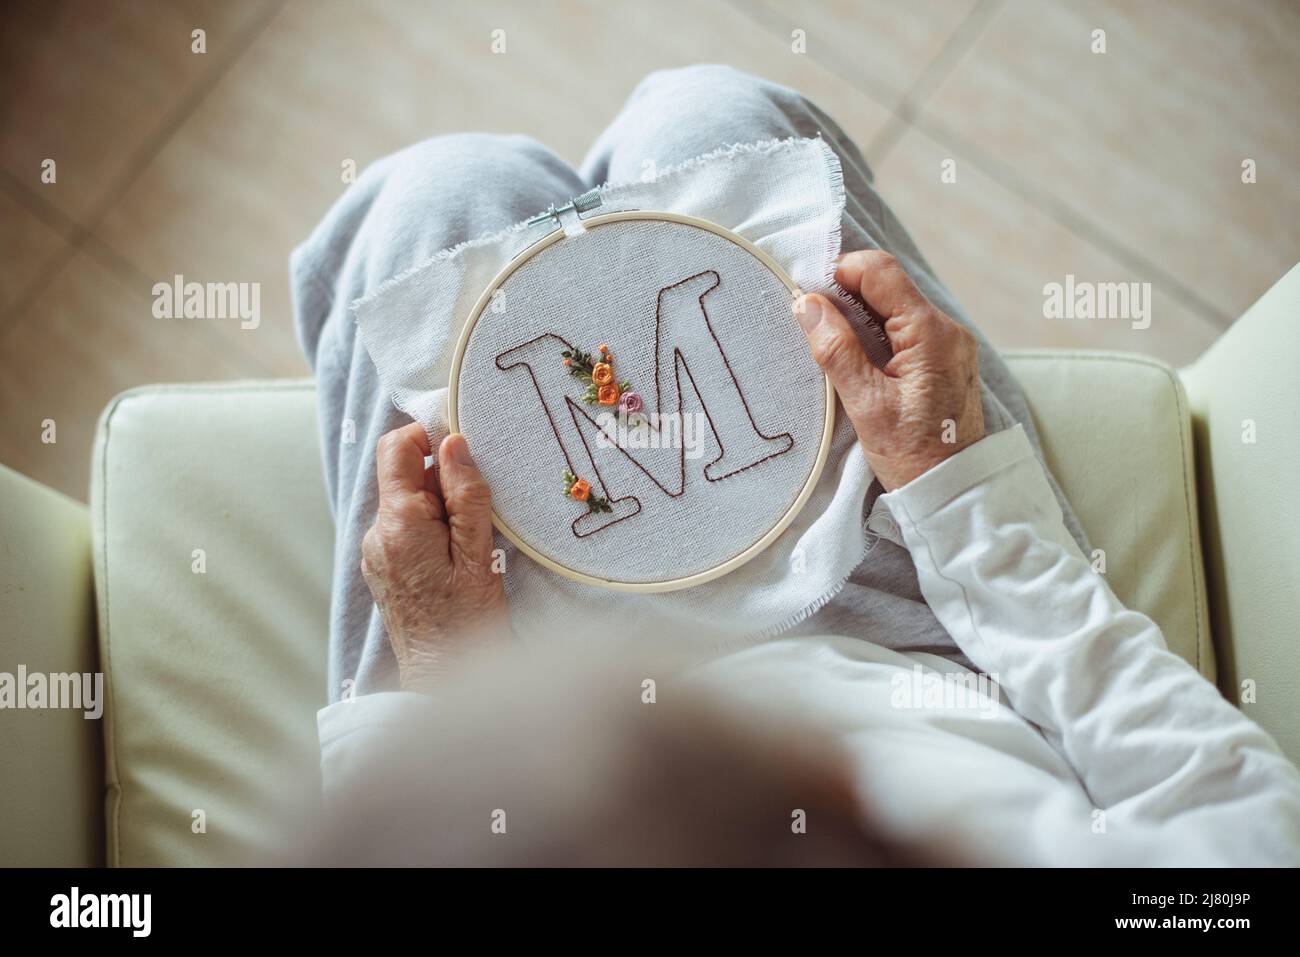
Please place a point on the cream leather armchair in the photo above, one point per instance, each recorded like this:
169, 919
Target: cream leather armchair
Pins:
198, 582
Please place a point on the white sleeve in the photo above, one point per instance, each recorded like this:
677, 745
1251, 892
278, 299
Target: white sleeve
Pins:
1153, 742
361, 734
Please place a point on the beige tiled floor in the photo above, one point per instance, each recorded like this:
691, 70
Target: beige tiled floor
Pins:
1145, 142
27, 246
1122, 166
90, 84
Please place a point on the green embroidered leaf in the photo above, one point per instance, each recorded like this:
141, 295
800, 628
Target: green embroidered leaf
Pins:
580, 363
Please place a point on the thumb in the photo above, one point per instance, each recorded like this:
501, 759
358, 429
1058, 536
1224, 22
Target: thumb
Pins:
836, 348
469, 503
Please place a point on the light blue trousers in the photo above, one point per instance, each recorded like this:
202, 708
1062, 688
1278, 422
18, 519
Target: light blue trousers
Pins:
446, 190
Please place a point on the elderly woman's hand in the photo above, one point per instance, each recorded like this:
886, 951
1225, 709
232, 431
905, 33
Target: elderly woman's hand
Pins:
925, 405
428, 557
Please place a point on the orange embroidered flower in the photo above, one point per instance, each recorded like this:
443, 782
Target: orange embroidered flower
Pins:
608, 394
580, 490
602, 373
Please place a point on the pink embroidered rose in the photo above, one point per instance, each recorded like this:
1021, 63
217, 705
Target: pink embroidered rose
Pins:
630, 402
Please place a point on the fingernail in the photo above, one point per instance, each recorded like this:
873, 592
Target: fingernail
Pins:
850, 262
808, 311
458, 450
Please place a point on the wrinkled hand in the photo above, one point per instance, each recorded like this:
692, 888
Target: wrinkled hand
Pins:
428, 557
925, 405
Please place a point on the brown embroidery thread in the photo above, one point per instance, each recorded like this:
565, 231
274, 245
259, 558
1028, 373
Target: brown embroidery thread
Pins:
564, 450
679, 364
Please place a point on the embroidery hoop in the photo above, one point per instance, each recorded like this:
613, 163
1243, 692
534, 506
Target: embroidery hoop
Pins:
752, 550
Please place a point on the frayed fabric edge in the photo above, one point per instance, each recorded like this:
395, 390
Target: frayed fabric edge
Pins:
830, 255
760, 147
443, 256
792, 621
878, 350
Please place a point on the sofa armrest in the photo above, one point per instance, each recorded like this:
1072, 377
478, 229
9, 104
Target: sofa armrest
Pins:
51, 761
1245, 397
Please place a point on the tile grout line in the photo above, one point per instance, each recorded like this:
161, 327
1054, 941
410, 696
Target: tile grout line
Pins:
176, 117
43, 280
960, 42
1056, 209
913, 114
761, 14
1064, 214
45, 211
149, 149
126, 270
1060, 211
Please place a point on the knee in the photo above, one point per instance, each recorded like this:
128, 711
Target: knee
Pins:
710, 77
711, 84
469, 176
728, 102
483, 158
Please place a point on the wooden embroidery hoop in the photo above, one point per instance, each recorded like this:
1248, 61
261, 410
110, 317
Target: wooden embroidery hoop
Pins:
675, 584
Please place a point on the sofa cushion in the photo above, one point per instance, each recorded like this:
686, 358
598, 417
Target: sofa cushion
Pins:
1116, 433
213, 548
